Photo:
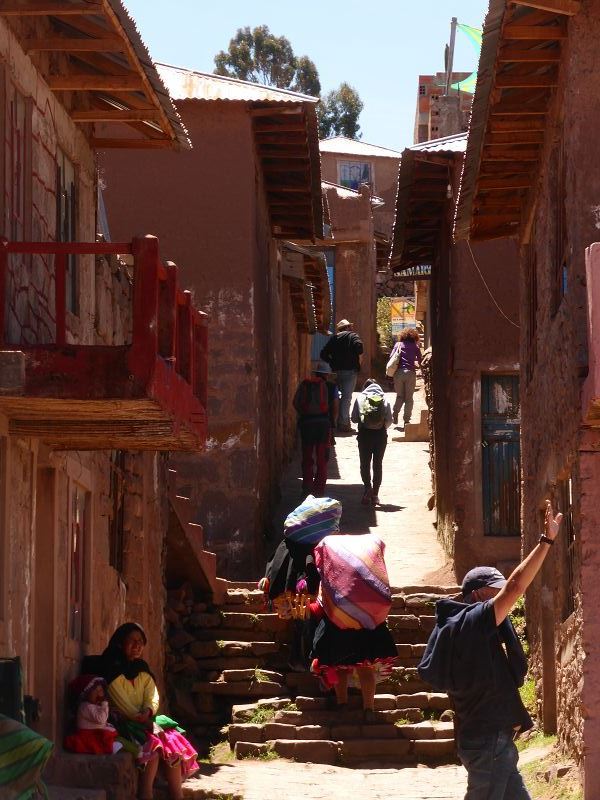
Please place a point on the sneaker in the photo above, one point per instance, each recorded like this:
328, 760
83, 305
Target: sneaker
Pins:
370, 716
366, 498
375, 500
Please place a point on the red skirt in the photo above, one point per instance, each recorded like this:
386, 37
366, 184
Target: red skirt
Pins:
96, 742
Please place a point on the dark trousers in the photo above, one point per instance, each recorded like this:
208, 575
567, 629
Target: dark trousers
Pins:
491, 762
315, 457
371, 447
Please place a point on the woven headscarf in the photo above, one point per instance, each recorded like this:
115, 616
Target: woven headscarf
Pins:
314, 518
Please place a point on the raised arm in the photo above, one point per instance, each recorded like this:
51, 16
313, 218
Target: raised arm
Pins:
523, 575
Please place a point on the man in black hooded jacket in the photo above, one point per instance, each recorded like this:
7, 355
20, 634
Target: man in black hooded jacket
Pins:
475, 655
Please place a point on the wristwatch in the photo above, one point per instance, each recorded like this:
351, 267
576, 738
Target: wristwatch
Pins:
545, 539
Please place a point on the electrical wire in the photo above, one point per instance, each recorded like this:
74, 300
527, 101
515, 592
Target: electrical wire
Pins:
489, 291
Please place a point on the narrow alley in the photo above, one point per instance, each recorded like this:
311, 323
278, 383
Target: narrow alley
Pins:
227, 270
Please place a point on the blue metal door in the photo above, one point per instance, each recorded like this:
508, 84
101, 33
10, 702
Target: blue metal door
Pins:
501, 455
319, 339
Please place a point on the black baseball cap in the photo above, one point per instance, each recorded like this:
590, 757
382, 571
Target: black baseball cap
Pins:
478, 577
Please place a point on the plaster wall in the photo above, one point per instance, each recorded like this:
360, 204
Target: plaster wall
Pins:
385, 183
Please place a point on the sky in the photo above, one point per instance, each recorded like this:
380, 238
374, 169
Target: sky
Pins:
380, 47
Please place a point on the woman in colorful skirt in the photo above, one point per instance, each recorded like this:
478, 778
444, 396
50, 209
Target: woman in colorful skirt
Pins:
134, 698
352, 641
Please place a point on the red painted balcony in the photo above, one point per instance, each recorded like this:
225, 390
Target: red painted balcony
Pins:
146, 394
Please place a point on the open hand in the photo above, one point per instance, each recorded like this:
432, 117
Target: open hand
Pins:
551, 522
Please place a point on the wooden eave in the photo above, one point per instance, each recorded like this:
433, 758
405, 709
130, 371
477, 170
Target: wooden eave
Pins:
420, 207
92, 57
287, 147
517, 76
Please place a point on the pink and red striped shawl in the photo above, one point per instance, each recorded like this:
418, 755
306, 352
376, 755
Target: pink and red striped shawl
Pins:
355, 590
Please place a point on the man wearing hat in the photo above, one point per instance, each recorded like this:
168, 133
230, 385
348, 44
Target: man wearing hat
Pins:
342, 352
316, 403
474, 654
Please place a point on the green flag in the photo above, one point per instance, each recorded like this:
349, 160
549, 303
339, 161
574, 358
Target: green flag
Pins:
474, 35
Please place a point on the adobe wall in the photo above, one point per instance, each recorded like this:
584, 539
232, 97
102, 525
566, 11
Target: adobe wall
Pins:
207, 209
385, 180
554, 445
469, 338
355, 267
30, 314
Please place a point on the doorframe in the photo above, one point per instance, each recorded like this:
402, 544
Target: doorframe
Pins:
481, 370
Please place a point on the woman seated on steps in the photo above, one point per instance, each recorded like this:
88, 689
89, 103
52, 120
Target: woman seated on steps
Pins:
156, 740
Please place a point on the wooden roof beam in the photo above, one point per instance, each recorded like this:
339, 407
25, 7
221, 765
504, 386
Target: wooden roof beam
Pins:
516, 125
510, 81
116, 115
498, 152
507, 107
107, 44
567, 7
86, 82
496, 183
131, 144
537, 54
514, 30
506, 166
52, 8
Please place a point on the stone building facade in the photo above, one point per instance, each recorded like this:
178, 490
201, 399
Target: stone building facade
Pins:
217, 210
82, 529
553, 215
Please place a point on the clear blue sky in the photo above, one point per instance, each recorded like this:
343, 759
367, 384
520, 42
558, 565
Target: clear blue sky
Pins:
378, 47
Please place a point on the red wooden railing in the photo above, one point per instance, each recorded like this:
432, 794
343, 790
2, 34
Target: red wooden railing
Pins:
165, 323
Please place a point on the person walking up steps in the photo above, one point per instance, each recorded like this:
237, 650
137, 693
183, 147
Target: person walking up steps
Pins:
405, 356
316, 403
343, 353
475, 655
373, 414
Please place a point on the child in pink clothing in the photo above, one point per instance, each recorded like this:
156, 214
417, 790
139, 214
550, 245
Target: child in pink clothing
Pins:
93, 734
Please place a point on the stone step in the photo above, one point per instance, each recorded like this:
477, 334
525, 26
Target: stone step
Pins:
245, 600
340, 732
352, 752
242, 688
242, 635
71, 793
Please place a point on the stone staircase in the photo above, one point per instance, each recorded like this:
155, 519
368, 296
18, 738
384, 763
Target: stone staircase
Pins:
229, 667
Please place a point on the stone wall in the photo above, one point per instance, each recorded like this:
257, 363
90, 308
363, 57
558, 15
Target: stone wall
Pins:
554, 357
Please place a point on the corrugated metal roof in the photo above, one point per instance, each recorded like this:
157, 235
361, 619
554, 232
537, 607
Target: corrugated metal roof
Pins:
341, 144
457, 143
187, 84
149, 67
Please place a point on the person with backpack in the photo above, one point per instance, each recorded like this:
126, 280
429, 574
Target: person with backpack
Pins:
373, 414
343, 353
316, 403
402, 367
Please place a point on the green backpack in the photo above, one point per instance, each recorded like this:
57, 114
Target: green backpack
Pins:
372, 412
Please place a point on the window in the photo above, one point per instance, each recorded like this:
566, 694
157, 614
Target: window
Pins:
559, 264
532, 306
422, 89
17, 164
78, 534
117, 498
354, 173
66, 222
569, 560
